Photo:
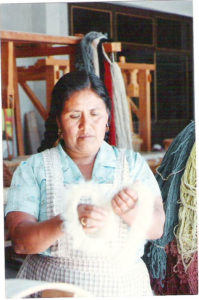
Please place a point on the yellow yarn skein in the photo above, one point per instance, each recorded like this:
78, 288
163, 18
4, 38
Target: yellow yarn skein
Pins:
186, 230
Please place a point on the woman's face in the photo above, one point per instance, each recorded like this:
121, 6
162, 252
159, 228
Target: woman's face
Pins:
83, 123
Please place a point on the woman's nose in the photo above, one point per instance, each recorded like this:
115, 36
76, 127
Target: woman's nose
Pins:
84, 122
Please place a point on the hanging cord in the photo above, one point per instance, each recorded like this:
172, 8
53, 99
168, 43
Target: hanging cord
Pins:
186, 230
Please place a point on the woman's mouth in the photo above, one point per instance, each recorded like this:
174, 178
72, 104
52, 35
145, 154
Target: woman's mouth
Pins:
86, 136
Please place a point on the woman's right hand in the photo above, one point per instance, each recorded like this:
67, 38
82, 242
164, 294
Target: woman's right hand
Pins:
92, 217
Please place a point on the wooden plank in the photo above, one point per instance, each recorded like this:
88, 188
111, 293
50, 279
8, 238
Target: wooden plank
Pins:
38, 38
144, 109
36, 102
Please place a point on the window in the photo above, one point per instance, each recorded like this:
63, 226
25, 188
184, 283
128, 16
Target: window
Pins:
86, 20
173, 34
172, 89
133, 29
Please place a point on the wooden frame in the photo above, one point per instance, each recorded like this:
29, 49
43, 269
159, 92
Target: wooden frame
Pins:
21, 44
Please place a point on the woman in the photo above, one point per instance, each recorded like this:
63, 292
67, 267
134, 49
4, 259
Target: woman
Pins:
42, 193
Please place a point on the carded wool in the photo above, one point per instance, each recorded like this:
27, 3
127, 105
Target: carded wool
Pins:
168, 177
91, 193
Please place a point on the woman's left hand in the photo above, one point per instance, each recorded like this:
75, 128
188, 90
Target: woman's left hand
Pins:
124, 204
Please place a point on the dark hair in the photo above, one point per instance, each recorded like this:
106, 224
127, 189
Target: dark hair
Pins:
67, 85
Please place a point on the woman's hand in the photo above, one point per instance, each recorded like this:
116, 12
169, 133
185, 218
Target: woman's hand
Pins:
124, 204
92, 217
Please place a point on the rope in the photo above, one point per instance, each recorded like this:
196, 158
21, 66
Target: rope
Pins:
186, 230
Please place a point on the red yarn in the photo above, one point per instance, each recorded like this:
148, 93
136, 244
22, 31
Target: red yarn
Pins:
177, 282
192, 274
108, 84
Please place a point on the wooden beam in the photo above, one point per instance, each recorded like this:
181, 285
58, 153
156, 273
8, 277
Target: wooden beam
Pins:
36, 102
25, 74
50, 61
38, 71
134, 107
38, 38
130, 66
29, 51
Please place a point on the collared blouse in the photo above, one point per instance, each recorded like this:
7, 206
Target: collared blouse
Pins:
28, 188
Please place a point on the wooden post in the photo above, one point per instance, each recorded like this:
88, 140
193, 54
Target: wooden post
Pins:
145, 109
17, 110
52, 75
7, 54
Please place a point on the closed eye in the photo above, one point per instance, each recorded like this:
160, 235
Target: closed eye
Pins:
94, 113
75, 116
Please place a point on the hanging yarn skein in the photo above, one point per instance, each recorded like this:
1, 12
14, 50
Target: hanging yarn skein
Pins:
121, 108
85, 55
168, 177
186, 230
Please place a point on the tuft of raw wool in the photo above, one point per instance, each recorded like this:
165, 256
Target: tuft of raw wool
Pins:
100, 241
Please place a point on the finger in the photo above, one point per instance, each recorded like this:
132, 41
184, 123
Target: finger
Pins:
95, 215
97, 209
128, 200
92, 223
116, 208
121, 203
88, 208
132, 193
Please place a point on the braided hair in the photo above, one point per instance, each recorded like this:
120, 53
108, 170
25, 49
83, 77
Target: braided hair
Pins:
67, 85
